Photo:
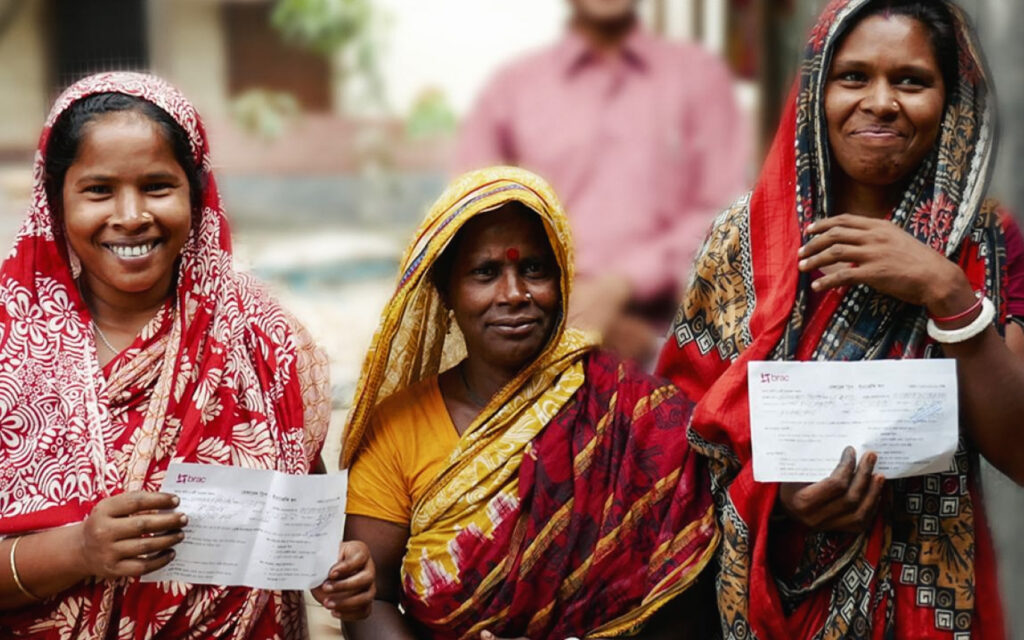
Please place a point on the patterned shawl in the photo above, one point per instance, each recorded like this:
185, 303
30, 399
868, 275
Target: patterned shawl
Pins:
925, 568
221, 375
572, 505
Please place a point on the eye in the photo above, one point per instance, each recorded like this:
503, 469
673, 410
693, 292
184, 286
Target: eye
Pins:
851, 77
98, 189
912, 81
535, 268
158, 188
484, 272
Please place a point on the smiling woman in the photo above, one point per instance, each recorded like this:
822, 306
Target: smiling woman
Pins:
123, 179
507, 476
868, 236
128, 341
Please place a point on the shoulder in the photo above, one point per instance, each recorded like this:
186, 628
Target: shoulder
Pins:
406, 406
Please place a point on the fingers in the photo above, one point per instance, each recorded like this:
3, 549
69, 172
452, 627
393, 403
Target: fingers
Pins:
352, 582
845, 501
353, 556
350, 606
819, 495
125, 528
864, 514
126, 504
862, 223
134, 567
136, 547
834, 236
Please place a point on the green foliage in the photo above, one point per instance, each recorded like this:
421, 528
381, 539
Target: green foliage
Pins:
346, 32
265, 113
324, 26
431, 115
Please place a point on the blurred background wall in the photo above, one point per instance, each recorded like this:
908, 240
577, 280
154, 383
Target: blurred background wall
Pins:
331, 129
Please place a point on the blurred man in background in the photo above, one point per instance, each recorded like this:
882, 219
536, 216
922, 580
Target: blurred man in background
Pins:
644, 143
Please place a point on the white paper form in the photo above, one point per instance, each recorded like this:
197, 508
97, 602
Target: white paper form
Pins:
254, 527
803, 414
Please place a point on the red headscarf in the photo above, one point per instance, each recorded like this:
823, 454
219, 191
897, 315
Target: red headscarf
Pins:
221, 375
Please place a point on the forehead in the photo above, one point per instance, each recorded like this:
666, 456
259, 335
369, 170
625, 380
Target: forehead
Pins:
511, 226
122, 137
896, 38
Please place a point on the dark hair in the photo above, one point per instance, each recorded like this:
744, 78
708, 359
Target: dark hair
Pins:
936, 17
69, 129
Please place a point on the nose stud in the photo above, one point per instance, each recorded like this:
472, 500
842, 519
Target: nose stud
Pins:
895, 105
529, 296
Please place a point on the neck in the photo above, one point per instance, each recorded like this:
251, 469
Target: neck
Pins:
126, 312
604, 37
864, 200
483, 379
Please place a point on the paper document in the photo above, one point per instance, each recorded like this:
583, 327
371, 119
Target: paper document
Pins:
254, 527
803, 414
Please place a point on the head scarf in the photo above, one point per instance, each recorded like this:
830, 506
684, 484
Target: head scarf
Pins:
221, 375
747, 301
416, 338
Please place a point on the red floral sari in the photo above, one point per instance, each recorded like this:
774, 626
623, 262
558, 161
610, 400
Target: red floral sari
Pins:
925, 568
221, 375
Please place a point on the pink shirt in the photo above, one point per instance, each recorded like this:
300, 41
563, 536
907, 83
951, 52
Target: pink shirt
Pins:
643, 147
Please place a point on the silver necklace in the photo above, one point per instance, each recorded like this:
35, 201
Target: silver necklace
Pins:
473, 397
103, 338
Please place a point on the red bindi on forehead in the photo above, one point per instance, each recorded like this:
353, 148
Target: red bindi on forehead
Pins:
512, 254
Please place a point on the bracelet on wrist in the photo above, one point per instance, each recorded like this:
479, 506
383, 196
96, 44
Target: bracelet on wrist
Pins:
17, 578
977, 326
963, 314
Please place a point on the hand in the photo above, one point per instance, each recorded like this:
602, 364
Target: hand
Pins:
487, 635
855, 249
597, 302
350, 587
127, 535
845, 501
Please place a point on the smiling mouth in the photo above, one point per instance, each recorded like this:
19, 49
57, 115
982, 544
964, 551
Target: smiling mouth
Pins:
878, 132
130, 251
515, 327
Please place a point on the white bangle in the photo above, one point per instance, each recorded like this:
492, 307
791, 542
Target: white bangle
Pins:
979, 324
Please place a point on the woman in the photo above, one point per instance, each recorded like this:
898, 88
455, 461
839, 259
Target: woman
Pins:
509, 479
866, 237
128, 341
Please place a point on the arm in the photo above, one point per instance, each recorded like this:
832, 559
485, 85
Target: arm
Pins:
990, 372
122, 537
386, 541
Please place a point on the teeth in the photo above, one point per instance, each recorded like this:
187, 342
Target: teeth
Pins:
132, 251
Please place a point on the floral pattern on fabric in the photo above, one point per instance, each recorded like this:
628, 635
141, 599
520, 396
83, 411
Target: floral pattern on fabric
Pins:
221, 375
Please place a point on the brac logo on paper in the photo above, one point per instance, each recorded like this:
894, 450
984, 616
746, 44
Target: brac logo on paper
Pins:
773, 377
184, 478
